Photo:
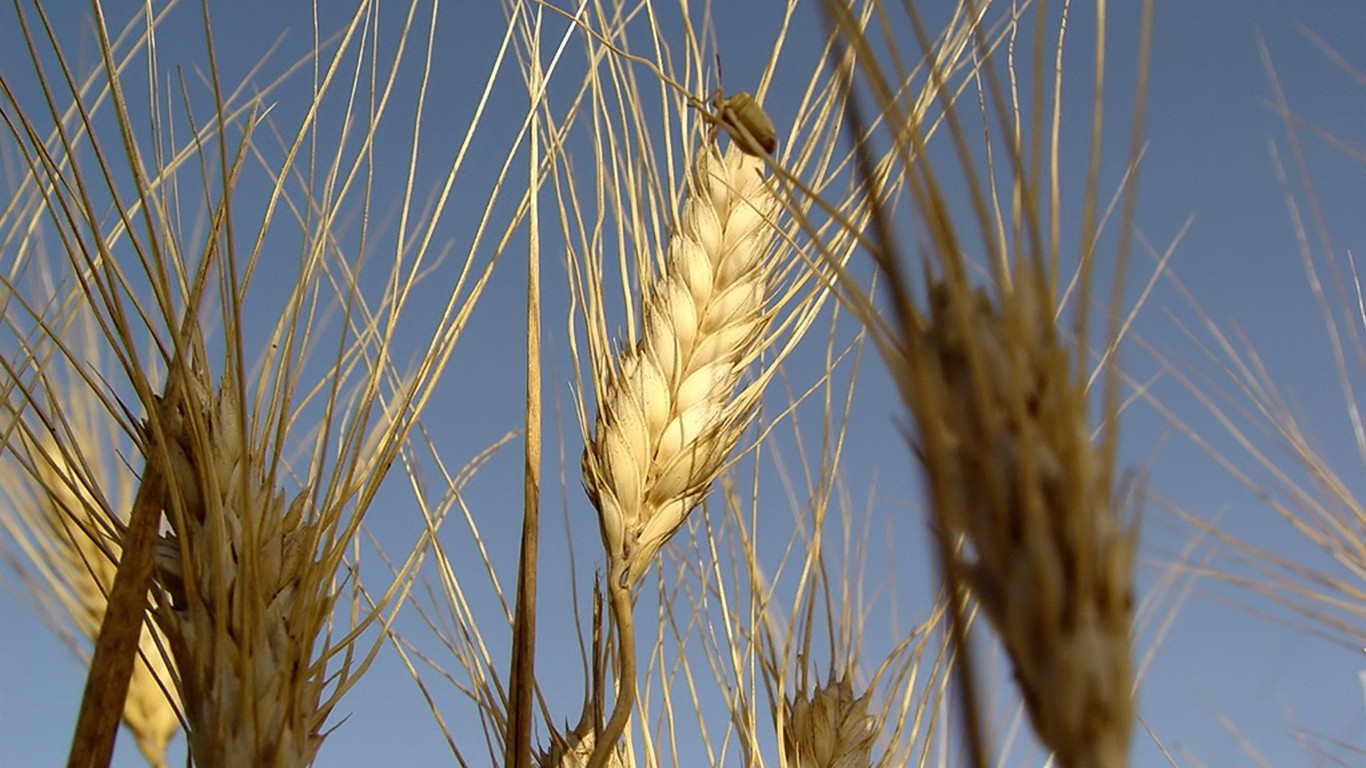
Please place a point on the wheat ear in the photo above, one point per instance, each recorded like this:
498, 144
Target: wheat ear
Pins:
829, 728
1024, 505
57, 519
670, 415
240, 577
1016, 476
575, 749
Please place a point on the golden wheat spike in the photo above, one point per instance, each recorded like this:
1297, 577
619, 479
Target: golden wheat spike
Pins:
669, 417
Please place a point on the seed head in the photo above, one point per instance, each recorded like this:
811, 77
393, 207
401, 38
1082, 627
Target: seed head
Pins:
1021, 483
669, 415
831, 728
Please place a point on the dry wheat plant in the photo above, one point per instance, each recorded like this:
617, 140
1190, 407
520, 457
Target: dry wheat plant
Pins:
63, 548
229, 311
696, 237
1031, 522
717, 253
191, 309
1308, 492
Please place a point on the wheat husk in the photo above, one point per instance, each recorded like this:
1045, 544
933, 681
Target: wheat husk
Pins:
575, 748
236, 569
1019, 482
669, 416
829, 728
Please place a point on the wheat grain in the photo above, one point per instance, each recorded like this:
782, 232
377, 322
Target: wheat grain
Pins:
669, 416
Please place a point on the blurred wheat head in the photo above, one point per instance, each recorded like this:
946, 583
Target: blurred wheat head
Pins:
272, 437
1022, 495
60, 544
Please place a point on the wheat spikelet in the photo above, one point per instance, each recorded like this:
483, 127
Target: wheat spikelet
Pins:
1015, 474
829, 728
669, 416
575, 748
240, 619
54, 513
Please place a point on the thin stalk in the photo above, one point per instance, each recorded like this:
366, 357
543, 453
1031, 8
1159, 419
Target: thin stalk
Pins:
620, 595
116, 648
522, 678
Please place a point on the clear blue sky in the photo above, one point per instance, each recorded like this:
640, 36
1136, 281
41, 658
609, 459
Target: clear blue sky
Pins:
1209, 132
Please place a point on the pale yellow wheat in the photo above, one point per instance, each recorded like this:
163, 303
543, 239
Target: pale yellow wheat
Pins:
56, 521
669, 416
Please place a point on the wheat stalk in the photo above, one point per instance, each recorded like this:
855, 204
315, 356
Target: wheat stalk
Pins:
669, 418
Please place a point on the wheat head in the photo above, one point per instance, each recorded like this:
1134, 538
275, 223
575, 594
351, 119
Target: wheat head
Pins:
829, 728
242, 617
670, 417
575, 748
57, 519
1016, 477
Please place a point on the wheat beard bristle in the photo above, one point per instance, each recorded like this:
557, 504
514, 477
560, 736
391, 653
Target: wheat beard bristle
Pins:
1048, 558
669, 416
831, 728
240, 628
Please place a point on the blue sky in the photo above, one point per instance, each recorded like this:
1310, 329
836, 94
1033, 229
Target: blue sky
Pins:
1210, 133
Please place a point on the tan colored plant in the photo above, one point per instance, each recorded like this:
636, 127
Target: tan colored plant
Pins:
1015, 475
1275, 452
829, 727
246, 596
1022, 496
669, 399
669, 415
575, 749
262, 476
69, 560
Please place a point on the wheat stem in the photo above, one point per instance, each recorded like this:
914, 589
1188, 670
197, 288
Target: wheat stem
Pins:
605, 743
523, 675
116, 647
